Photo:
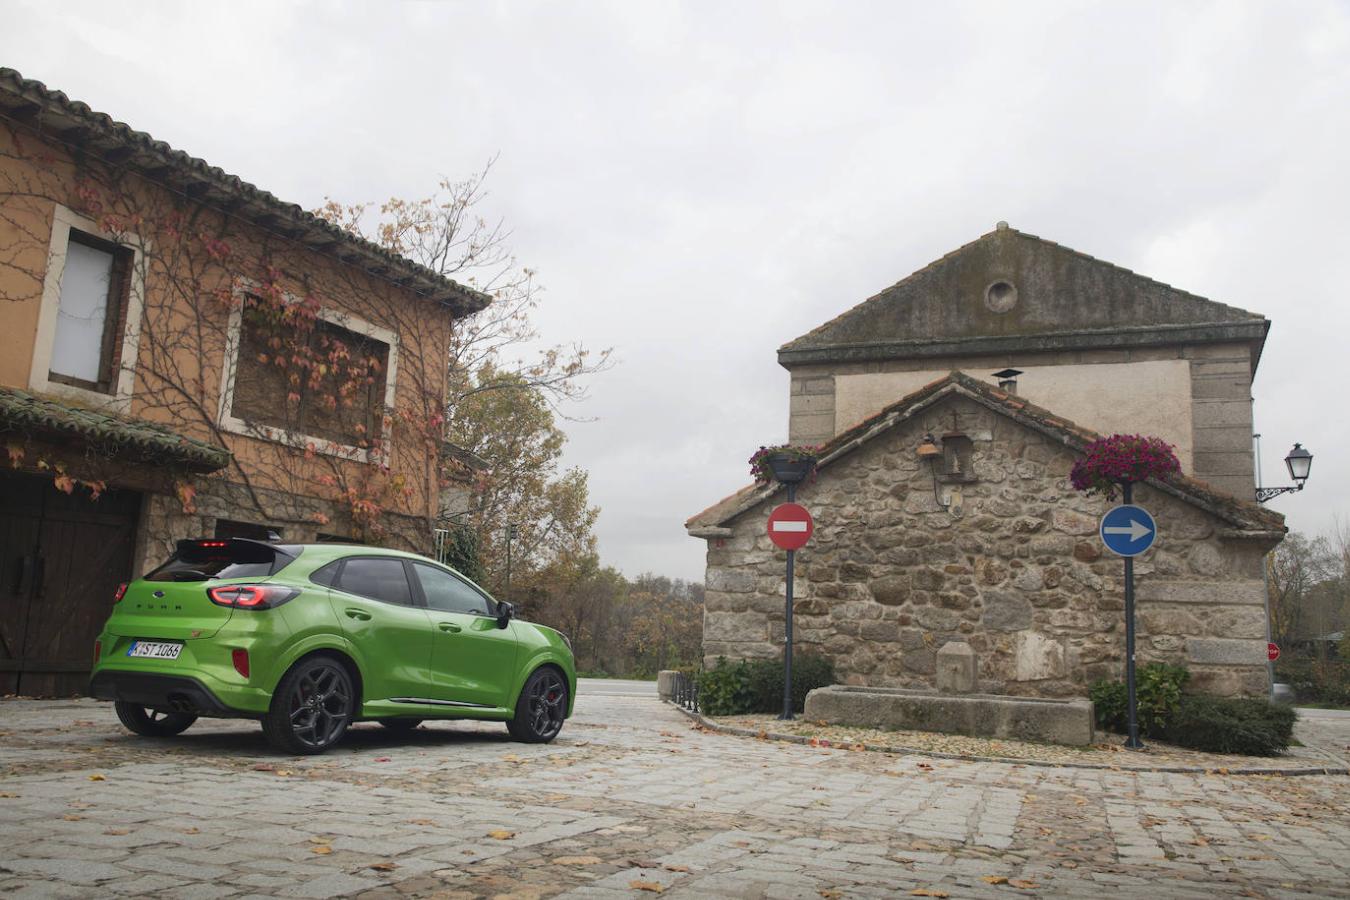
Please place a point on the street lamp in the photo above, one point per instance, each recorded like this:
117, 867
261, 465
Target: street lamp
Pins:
1299, 464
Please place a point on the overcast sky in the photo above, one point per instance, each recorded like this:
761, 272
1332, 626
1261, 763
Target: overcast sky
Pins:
698, 183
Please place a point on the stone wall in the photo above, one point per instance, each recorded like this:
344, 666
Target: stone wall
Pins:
1009, 562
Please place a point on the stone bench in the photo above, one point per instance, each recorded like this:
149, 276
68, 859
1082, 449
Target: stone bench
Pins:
978, 715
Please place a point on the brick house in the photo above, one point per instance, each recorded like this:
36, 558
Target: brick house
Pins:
137, 364
987, 542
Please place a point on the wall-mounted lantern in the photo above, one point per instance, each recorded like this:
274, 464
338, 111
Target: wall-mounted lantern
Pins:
1299, 463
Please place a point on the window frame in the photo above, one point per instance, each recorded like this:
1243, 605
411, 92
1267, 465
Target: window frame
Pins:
414, 591
494, 610
377, 454
123, 317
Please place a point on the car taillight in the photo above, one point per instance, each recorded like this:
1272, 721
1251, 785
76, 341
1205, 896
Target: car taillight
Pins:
250, 596
240, 659
120, 592
98, 651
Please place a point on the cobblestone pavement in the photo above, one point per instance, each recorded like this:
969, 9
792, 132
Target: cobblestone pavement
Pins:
630, 800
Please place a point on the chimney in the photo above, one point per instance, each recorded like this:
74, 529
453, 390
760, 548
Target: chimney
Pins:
1007, 379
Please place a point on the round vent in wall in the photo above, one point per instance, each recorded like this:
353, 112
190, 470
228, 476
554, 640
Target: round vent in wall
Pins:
1000, 296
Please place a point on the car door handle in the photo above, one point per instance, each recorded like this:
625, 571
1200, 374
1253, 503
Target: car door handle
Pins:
451, 627
358, 614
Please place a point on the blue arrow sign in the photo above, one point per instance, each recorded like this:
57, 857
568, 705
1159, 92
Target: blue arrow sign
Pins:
1128, 530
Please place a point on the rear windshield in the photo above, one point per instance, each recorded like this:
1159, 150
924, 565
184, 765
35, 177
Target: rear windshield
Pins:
207, 559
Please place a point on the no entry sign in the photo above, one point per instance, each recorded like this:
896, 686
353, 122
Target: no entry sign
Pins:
790, 526
1272, 651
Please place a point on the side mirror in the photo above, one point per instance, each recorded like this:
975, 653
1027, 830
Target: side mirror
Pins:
505, 612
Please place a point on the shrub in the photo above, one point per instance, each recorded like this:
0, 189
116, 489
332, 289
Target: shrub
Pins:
756, 686
1249, 726
724, 690
1157, 695
1109, 704
809, 671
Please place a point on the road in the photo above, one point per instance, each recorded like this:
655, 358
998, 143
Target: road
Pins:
629, 799
615, 687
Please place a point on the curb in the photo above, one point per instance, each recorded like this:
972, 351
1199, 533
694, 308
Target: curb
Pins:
1008, 760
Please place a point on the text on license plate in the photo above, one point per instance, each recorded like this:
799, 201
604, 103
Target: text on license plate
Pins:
155, 649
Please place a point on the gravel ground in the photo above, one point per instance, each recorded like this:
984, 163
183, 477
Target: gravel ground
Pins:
1318, 750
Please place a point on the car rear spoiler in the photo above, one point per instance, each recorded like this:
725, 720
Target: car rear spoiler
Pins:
245, 546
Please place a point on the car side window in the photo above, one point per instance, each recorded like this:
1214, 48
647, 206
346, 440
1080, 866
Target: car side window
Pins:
447, 593
379, 579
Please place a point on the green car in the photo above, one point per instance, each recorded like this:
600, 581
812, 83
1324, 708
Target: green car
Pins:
309, 638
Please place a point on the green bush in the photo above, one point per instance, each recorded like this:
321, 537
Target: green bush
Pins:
724, 690
1157, 695
1109, 704
809, 671
1249, 726
756, 686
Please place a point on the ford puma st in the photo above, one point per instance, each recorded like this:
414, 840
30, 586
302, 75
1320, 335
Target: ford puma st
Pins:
310, 638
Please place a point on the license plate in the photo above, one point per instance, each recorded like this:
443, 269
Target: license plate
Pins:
155, 649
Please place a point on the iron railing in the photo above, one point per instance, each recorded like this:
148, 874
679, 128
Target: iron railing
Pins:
686, 692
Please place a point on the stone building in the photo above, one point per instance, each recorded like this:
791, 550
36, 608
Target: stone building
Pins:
987, 542
141, 398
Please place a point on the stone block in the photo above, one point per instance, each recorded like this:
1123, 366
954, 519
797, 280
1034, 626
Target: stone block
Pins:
1037, 657
978, 715
1233, 593
665, 684
721, 626
957, 668
1221, 413
1071, 522
1005, 611
732, 581
1225, 651
893, 590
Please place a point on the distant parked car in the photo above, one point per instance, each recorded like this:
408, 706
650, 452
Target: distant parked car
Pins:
309, 638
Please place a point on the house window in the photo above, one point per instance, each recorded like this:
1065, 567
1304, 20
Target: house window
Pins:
90, 313
329, 383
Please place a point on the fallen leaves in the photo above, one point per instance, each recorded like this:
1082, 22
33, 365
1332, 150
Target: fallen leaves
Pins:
71, 817
1023, 884
322, 849
384, 759
928, 892
501, 834
577, 861
383, 866
98, 777
995, 879
118, 831
672, 867
638, 884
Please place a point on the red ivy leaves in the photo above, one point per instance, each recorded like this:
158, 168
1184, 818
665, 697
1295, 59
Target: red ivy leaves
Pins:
1121, 458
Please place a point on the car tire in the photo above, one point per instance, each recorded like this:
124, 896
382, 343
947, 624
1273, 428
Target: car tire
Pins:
311, 707
541, 709
401, 726
153, 722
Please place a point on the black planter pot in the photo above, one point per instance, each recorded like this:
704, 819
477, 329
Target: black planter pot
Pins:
789, 469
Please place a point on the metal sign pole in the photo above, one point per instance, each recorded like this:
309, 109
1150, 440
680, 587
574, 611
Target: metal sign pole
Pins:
787, 631
1132, 741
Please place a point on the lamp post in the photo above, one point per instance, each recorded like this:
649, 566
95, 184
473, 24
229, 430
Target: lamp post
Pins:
789, 469
1299, 463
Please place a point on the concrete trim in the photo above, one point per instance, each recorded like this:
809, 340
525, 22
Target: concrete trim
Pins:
1143, 336
228, 422
63, 221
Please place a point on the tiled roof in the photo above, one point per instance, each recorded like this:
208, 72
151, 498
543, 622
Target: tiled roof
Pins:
1243, 515
52, 112
20, 411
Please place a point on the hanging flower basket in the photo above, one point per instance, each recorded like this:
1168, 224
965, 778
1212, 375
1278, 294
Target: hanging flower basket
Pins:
1123, 459
784, 463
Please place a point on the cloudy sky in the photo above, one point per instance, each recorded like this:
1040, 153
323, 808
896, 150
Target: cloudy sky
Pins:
698, 183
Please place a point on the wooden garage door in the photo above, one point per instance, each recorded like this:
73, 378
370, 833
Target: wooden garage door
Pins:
61, 559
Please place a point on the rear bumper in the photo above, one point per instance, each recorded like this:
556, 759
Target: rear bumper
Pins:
176, 693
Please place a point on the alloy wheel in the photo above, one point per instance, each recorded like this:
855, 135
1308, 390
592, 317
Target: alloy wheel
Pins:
320, 705
547, 704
